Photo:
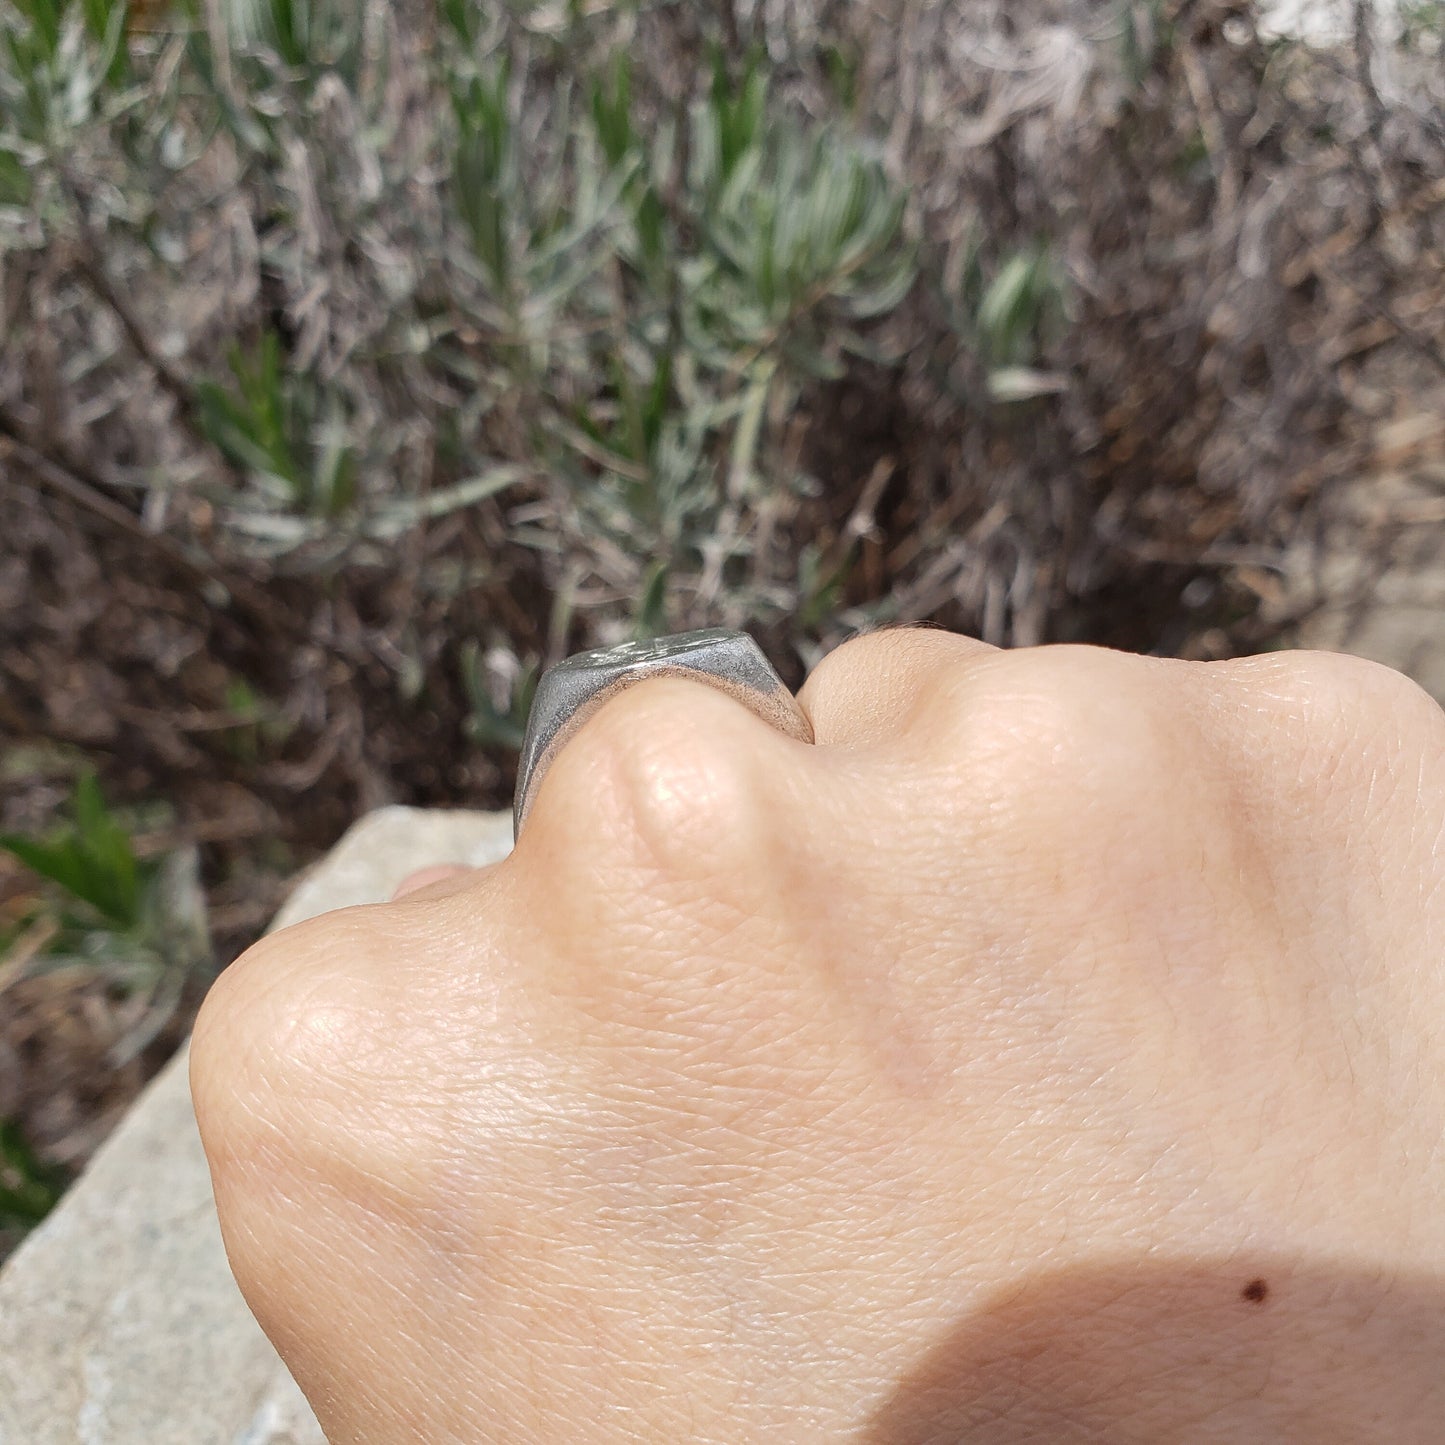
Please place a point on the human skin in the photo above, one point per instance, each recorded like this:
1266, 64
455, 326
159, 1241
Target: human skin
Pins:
1054, 1052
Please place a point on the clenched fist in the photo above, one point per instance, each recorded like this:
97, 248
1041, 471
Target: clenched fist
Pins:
1055, 1052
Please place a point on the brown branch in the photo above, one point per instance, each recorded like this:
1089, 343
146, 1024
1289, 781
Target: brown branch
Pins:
90, 494
86, 493
1364, 66
1211, 127
732, 31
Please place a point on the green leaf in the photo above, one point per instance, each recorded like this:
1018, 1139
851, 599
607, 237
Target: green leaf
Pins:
288, 29
884, 293
735, 111
29, 1189
630, 438
45, 17
651, 219
58, 862
1014, 305
650, 613
15, 187
92, 861
820, 586
283, 428
842, 71
334, 488
105, 20
483, 170
612, 108
486, 724
228, 425
459, 16
655, 409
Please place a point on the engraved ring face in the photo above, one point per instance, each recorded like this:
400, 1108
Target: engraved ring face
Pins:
573, 690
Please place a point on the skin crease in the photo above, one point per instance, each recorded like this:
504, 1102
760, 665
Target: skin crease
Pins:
1055, 1052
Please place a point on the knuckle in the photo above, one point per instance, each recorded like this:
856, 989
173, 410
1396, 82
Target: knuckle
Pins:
864, 691
1345, 715
659, 851
1047, 720
1291, 682
282, 1024
898, 648
663, 776
1056, 764
1337, 685
302, 1114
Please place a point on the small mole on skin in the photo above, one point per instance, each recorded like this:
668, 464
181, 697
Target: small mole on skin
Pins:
1256, 1292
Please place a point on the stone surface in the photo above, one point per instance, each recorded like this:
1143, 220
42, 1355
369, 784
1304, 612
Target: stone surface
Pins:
119, 1321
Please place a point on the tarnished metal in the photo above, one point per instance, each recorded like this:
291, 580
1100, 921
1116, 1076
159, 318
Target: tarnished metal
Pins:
574, 689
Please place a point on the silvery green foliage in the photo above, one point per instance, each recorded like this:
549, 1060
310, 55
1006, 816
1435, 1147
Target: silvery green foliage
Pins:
582, 288
382, 267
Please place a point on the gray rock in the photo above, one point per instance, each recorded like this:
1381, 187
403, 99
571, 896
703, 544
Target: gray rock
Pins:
120, 1323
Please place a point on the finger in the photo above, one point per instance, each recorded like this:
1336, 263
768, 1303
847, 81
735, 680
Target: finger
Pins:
671, 760
864, 691
426, 877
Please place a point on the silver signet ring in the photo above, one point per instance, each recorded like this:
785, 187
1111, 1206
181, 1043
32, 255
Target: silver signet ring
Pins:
574, 689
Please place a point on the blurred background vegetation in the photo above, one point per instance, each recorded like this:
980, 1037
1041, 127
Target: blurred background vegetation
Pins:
362, 357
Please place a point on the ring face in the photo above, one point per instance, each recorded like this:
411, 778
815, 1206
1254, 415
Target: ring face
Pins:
575, 688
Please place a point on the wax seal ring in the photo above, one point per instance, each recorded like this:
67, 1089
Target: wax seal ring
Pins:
574, 689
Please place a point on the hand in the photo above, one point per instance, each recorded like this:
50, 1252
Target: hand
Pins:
1055, 1052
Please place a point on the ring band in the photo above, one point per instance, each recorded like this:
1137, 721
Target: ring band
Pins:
575, 688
